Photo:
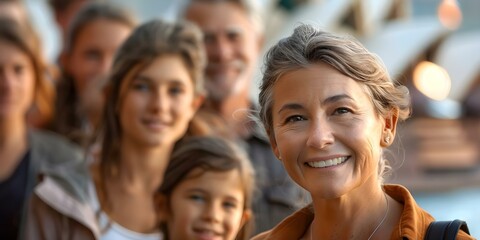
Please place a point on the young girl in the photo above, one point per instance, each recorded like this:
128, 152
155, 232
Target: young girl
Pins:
207, 191
154, 90
94, 35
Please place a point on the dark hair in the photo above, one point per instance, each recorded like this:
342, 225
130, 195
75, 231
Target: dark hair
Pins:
68, 118
22, 37
209, 154
148, 42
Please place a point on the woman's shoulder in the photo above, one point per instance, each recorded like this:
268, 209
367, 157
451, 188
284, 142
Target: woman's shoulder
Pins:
54, 147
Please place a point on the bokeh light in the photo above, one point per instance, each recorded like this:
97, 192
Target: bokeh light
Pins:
450, 14
432, 80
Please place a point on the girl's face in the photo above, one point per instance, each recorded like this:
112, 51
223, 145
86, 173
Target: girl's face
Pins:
326, 131
92, 53
17, 81
206, 206
157, 105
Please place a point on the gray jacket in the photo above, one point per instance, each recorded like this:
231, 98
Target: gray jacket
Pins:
277, 195
59, 178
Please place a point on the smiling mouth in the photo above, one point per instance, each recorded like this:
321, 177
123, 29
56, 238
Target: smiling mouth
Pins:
155, 124
327, 163
206, 234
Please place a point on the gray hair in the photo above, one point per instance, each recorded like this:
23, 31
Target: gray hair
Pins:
251, 8
308, 45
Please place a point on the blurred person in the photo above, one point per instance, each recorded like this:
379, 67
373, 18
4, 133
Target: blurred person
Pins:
331, 109
154, 90
207, 191
25, 153
16, 10
64, 11
93, 38
233, 39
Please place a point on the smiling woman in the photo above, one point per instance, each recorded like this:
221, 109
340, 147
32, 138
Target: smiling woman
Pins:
330, 109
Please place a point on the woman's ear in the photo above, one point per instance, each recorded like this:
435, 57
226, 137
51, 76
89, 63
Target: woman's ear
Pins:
197, 102
273, 144
390, 127
161, 206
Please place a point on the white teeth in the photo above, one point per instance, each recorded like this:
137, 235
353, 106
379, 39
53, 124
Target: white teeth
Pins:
327, 163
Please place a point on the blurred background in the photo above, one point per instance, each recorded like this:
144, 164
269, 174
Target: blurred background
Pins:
431, 46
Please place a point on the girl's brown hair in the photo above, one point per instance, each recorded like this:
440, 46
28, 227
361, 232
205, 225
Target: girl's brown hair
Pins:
209, 154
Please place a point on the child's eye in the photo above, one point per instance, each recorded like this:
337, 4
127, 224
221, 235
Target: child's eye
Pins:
230, 204
294, 118
342, 110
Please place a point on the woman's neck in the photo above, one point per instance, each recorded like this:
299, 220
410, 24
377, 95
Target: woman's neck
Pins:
142, 169
13, 144
353, 216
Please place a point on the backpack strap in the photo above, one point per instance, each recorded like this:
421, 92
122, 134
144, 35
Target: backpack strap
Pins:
446, 230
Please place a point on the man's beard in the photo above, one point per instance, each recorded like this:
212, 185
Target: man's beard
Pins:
222, 85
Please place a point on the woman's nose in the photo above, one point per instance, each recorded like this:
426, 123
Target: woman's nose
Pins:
320, 134
160, 101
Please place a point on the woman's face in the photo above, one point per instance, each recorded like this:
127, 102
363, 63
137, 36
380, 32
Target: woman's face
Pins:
326, 131
17, 81
92, 52
158, 103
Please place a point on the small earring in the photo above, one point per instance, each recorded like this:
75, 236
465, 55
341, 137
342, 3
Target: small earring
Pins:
279, 157
387, 139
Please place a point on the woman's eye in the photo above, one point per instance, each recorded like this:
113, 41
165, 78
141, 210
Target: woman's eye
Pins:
342, 110
18, 69
295, 118
93, 55
140, 86
175, 90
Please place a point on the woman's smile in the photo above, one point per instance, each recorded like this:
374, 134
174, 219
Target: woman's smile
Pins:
327, 163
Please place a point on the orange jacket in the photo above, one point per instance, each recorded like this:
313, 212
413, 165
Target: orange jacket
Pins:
413, 223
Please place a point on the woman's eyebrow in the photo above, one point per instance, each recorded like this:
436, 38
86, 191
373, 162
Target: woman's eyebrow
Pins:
336, 98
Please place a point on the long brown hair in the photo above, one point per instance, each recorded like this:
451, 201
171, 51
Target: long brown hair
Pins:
209, 154
23, 37
147, 42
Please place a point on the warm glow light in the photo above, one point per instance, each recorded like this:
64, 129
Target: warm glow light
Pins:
450, 14
432, 80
